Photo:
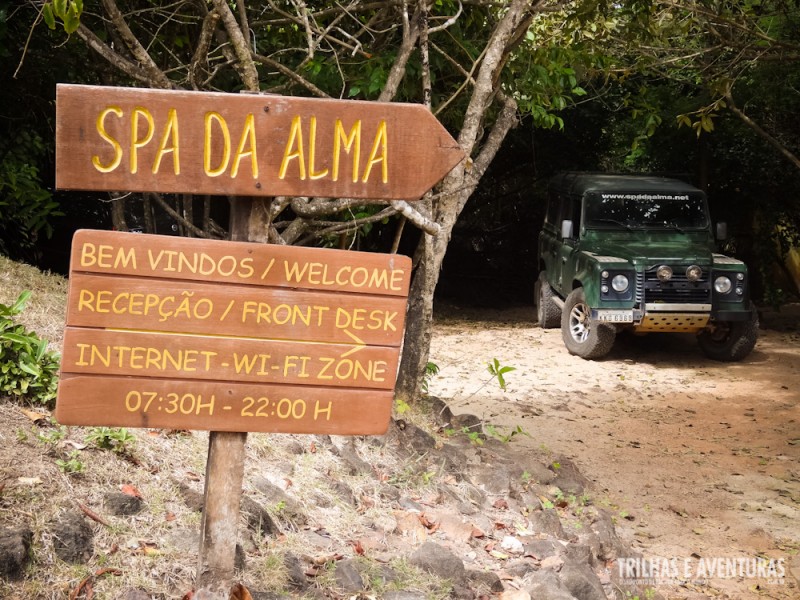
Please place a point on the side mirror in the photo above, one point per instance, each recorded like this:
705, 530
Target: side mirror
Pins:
722, 231
566, 229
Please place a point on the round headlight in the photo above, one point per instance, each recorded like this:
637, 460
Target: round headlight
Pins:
722, 284
664, 273
694, 273
619, 283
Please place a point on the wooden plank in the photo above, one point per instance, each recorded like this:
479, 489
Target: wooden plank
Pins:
142, 255
160, 305
134, 139
221, 406
102, 352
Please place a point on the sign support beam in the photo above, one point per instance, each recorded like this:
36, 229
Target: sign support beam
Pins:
224, 476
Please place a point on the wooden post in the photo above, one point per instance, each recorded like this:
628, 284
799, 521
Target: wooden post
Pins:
223, 491
224, 476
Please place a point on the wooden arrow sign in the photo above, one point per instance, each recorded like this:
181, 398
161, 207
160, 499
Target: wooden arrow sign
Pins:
112, 138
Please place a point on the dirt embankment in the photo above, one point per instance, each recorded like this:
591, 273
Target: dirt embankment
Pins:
698, 458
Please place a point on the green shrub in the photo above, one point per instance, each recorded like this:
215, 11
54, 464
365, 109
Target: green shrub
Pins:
28, 371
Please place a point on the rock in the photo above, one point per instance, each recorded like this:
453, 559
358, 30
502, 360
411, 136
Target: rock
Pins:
581, 581
354, 464
403, 596
269, 596
122, 505
537, 472
519, 568
438, 409
454, 527
512, 545
492, 479
344, 492
191, 498
540, 549
134, 594
466, 421
547, 521
451, 458
545, 584
73, 539
462, 592
485, 580
258, 519
515, 595
411, 437
295, 572
15, 547
611, 546
408, 525
568, 478
280, 502
348, 577
184, 540
439, 561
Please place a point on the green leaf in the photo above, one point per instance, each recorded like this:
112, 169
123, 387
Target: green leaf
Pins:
60, 8
16, 338
47, 14
17, 307
72, 21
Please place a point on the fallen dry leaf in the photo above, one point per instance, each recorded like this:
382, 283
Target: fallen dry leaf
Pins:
33, 415
239, 592
130, 490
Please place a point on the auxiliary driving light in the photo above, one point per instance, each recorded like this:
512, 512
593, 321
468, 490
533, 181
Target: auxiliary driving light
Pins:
664, 273
694, 273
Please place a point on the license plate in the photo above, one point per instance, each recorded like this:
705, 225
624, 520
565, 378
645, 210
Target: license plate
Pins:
615, 316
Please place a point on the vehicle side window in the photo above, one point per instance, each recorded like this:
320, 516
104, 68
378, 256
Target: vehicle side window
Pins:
553, 203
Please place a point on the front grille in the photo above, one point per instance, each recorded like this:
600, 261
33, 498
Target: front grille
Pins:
678, 290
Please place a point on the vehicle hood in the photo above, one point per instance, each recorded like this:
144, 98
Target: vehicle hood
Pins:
647, 252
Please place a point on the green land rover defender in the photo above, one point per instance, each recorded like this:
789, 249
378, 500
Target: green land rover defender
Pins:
637, 252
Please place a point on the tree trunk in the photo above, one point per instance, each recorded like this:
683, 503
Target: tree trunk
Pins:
456, 189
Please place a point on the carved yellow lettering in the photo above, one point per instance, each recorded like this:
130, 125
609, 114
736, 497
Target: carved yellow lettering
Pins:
170, 135
210, 119
101, 129
290, 153
248, 137
318, 410
379, 145
136, 141
312, 152
351, 142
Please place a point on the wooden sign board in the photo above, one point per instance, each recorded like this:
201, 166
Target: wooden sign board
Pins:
111, 138
229, 336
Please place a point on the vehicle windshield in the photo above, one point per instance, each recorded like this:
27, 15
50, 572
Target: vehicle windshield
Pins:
674, 212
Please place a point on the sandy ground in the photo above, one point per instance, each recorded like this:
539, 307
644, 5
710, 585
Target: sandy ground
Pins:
698, 459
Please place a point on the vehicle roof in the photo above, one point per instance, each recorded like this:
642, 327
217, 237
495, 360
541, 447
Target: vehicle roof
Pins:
580, 183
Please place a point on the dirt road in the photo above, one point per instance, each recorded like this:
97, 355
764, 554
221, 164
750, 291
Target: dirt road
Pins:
698, 459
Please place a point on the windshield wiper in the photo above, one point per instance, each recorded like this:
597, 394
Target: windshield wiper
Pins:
620, 223
666, 225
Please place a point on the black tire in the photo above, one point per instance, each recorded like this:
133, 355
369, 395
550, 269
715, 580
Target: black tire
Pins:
547, 311
729, 341
582, 336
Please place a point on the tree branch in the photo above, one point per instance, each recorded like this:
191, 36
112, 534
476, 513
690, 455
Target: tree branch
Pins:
265, 60
248, 71
116, 60
772, 141
156, 76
